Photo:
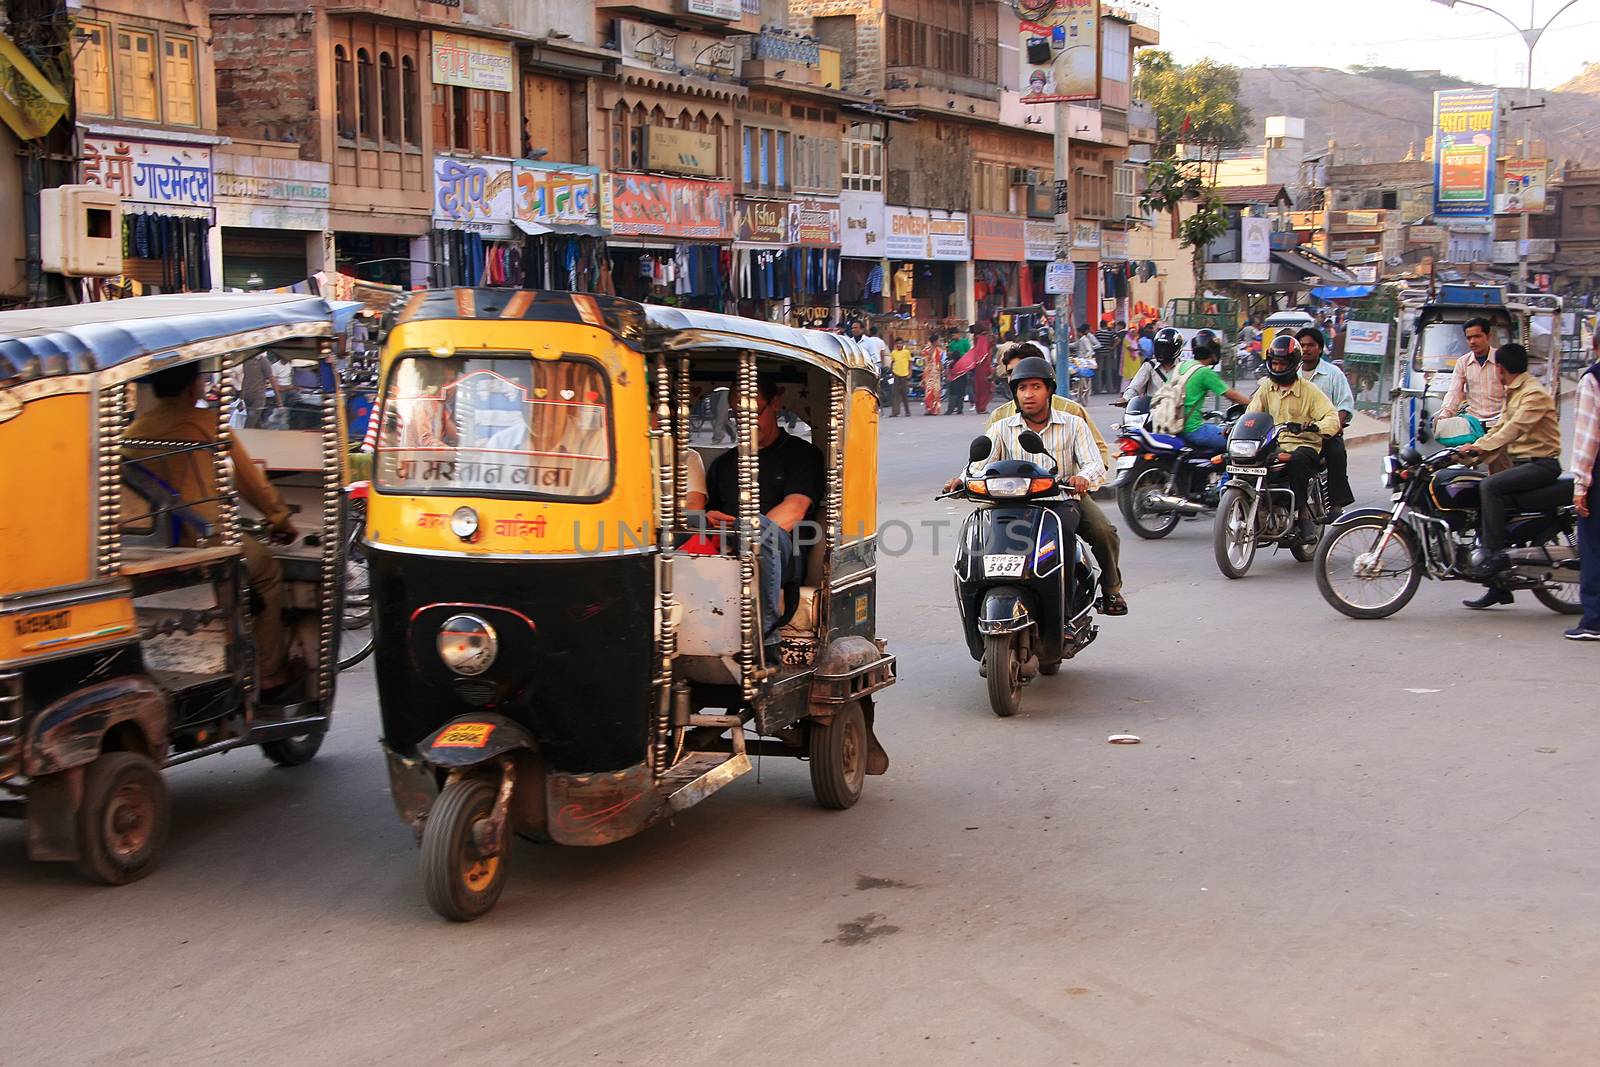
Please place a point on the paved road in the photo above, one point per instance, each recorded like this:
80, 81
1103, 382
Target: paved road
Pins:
1339, 843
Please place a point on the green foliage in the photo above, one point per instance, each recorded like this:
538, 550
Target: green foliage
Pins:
1204, 94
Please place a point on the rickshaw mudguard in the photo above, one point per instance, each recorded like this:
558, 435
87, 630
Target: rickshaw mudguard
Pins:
849, 671
71, 731
468, 740
599, 808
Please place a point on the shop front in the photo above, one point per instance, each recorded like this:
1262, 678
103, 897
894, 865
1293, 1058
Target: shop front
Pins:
272, 207
862, 244
761, 279
471, 241
561, 209
1038, 248
999, 251
930, 257
1086, 255
168, 210
815, 232
672, 240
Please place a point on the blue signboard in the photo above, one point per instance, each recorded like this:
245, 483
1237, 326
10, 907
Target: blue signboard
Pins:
1465, 142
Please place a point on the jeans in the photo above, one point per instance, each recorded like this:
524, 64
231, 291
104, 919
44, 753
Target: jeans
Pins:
1589, 562
780, 566
1524, 477
1207, 437
1337, 463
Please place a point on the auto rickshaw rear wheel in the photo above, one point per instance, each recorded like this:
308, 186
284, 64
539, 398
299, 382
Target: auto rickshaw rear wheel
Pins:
122, 819
293, 751
838, 753
461, 882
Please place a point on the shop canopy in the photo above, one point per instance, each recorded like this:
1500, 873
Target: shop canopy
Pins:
1342, 292
85, 338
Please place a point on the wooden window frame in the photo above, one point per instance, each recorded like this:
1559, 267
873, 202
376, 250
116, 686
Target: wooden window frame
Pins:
366, 96
107, 69
167, 39
124, 76
344, 93
410, 102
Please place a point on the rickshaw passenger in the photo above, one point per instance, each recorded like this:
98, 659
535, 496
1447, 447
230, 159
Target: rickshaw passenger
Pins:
174, 417
791, 483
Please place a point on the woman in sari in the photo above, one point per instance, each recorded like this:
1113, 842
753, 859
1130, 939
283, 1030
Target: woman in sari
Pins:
983, 370
932, 374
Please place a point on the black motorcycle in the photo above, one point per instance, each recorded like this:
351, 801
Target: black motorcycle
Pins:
1371, 561
1257, 509
1161, 478
1026, 591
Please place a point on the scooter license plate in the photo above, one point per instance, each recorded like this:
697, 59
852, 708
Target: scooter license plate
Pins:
1246, 470
1003, 566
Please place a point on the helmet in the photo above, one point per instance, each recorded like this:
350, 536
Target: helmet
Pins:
1205, 346
1284, 349
1031, 367
1168, 343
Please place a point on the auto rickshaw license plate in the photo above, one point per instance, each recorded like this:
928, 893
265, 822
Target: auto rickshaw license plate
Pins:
1003, 566
465, 735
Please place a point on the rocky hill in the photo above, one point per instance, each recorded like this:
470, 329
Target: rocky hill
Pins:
1379, 114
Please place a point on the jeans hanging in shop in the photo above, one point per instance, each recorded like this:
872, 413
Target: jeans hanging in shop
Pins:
181, 244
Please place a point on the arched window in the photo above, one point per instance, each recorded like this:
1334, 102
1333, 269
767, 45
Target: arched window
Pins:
389, 97
409, 100
343, 93
365, 93
685, 120
619, 136
719, 131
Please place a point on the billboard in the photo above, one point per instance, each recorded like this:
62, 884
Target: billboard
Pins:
1465, 123
1520, 189
1060, 50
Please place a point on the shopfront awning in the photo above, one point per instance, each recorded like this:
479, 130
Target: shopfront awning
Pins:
1311, 268
1342, 292
564, 229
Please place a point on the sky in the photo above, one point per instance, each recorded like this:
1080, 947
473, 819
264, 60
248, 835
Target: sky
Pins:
1415, 34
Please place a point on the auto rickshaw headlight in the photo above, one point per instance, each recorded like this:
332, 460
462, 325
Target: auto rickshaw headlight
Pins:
467, 644
464, 523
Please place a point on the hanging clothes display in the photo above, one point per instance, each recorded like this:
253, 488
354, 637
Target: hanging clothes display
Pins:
180, 244
467, 259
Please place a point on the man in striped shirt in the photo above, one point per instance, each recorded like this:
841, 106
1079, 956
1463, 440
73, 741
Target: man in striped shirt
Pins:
1585, 497
1477, 385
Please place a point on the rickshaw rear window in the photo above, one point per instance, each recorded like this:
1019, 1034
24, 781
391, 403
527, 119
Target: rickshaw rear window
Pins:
495, 424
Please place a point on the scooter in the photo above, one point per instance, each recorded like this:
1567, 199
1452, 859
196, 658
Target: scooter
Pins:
1026, 592
1161, 478
1257, 508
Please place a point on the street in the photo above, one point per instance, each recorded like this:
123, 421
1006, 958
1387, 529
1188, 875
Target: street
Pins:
1339, 842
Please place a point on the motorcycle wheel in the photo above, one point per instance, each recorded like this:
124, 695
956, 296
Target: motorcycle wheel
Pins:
1563, 597
1394, 585
1233, 542
355, 625
1004, 675
1303, 552
1131, 496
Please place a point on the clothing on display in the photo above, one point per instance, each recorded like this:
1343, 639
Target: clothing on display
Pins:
179, 243
698, 274
785, 273
467, 259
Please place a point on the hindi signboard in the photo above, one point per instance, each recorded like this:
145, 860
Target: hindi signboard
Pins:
148, 172
473, 194
1465, 125
473, 62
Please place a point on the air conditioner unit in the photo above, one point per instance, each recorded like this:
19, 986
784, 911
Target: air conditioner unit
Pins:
1024, 175
80, 231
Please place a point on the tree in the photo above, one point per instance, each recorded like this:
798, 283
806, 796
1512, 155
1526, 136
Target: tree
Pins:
1195, 104
1168, 183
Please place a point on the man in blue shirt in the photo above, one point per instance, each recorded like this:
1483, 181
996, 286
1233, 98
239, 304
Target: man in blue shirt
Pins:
1336, 387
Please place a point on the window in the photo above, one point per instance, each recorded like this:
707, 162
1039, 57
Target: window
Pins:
409, 98
991, 187
816, 163
364, 94
1125, 191
474, 121
344, 92
863, 156
764, 160
389, 97
1391, 201
496, 425
91, 70
138, 94
907, 43
746, 174
178, 77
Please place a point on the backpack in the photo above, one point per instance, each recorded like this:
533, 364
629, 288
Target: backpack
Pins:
1168, 412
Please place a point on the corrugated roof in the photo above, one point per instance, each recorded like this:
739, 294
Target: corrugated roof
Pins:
1243, 195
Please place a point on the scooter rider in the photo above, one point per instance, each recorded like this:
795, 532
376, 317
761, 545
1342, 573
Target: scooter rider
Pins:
1306, 415
1153, 373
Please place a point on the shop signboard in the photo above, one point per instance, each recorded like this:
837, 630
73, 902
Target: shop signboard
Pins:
998, 238
1425, 235
1039, 241
949, 237
1366, 338
761, 222
861, 225
1521, 187
1060, 277
681, 151
472, 194
269, 193
728, 10
149, 172
907, 232
648, 205
473, 62
1255, 240
1086, 236
1060, 51
555, 195
1114, 245
814, 223
1465, 124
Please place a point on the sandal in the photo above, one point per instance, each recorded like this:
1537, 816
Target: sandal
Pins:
1113, 604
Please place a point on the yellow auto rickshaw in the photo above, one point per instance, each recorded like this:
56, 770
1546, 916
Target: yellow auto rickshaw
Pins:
563, 650
128, 622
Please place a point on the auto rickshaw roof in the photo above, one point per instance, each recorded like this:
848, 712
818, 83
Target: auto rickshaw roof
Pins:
647, 327
89, 338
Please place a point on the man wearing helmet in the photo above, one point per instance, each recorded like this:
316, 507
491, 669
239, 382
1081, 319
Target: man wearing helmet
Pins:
1306, 414
1200, 380
1079, 454
1153, 373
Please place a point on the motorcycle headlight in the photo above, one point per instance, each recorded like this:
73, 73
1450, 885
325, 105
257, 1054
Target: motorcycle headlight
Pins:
1007, 487
1244, 449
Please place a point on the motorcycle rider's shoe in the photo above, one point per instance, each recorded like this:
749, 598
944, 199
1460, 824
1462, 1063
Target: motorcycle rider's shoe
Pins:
1307, 528
1486, 564
1113, 604
1492, 597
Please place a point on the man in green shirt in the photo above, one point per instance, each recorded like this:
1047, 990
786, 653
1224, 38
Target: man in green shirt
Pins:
1200, 379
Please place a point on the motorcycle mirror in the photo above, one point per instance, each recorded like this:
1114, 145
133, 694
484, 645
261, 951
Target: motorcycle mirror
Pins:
1235, 411
979, 450
1030, 441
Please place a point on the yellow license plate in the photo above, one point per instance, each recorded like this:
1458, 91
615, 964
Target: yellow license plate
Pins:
465, 735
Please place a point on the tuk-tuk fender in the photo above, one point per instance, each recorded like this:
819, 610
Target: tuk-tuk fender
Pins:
1004, 610
71, 732
469, 740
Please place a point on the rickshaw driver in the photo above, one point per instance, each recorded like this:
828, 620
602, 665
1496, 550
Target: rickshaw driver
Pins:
791, 483
174, 417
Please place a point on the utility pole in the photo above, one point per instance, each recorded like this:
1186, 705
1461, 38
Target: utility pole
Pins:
1063, 161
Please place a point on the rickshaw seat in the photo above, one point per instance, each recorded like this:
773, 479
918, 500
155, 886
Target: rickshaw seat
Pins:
802, 620
142, 561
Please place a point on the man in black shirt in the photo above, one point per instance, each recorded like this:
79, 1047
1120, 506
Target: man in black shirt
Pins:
790, 481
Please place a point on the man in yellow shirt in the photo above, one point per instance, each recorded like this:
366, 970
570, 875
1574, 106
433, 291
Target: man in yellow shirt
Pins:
900, 367
1307, 416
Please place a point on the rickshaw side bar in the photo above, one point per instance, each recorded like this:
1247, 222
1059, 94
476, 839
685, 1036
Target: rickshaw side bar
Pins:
228, 505
667, 509
834, 515
112, 403
749, 523
332, 547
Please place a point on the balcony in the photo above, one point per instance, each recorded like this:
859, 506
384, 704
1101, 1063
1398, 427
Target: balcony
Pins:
1142, 125
902, 93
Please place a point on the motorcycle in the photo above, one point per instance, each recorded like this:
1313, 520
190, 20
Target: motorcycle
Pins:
1372, 561
1025, 592
1161, 478
1257, 508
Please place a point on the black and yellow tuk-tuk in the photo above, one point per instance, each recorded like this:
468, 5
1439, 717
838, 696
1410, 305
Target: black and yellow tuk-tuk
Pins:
128, 620
562, 651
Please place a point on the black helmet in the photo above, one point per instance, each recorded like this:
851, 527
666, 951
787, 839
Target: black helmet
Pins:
1168, 343
1284, 349
1031, 367
1205, 345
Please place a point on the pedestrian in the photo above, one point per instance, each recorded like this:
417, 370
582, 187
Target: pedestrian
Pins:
983, 369
1107, 358
900, 367
957, 378
932, 373
1586, 498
